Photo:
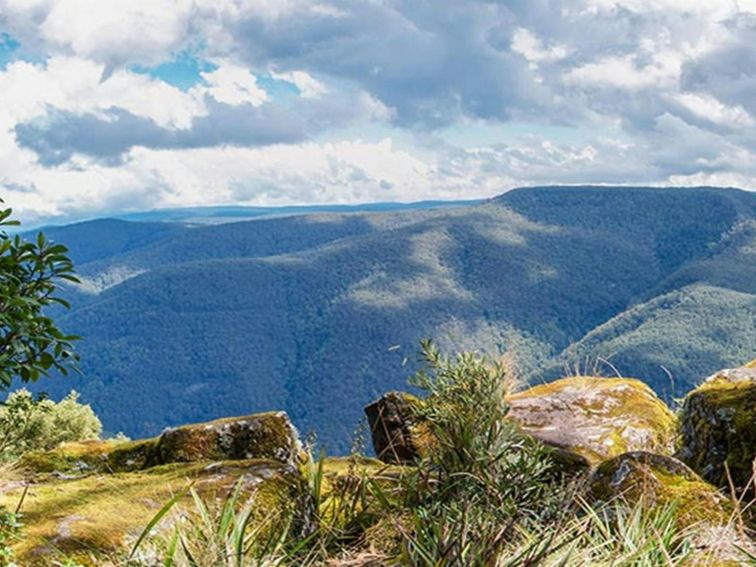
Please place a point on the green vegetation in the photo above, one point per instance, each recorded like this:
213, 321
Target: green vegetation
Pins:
29, 424
486, 494
31, 344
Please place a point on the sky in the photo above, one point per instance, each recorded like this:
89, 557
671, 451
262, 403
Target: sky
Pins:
113, 106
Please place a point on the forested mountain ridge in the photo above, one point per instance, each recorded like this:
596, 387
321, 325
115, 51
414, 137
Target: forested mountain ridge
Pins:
318, 314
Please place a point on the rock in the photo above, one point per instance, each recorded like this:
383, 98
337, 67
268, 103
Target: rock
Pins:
659, 480
585, 419
399, 436
596, 418
257, 436
566, 464
718, 427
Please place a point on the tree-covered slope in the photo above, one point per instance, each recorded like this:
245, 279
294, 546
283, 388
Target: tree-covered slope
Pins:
318, 314
671, 341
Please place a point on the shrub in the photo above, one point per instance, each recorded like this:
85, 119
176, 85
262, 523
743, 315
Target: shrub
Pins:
29, 423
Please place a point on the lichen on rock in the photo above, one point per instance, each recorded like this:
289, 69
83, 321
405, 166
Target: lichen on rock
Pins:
718, 427
591, 418
259, 436
659, 480
597, 418
88, 501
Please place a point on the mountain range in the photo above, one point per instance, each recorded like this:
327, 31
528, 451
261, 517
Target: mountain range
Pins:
317, 313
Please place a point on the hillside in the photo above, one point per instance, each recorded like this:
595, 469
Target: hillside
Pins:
318, 314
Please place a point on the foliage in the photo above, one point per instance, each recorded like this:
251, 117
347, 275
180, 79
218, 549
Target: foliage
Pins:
29, 423
31, 344
482, 477
220, 532
617, 534
10, 531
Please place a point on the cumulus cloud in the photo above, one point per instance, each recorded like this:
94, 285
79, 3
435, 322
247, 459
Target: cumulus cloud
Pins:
348, 100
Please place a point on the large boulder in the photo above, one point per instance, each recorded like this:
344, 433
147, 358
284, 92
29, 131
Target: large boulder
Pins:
259, 436
718, 427
596, 418
399, 435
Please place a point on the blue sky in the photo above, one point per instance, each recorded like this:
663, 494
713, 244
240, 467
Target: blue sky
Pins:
130, 106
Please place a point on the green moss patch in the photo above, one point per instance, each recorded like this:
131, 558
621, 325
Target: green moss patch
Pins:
98, 517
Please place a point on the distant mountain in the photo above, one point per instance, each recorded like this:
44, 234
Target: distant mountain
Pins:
318, 313
206, 215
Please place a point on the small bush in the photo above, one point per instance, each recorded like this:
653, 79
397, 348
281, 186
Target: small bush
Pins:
29, 423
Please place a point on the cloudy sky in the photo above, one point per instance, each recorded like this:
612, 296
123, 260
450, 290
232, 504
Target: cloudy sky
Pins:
108, 105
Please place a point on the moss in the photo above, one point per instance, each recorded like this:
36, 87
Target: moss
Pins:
259, 436
595, 417
133, 455
99, 516
718, 431
69, 458
659, 481
105, 492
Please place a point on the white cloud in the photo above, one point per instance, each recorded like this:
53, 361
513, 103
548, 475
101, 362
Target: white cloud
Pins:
621, 91
662, 71
531, 47
308, 86
706, 107
232, 84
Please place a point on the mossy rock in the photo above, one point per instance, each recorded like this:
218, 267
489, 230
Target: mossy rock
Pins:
595, 418
718, 427
96, 519
399, 435
660, 480
259, 436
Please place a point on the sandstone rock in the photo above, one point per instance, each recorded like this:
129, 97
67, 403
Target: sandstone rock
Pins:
399, 437
659, 480
597, 418
257, 436
718, 427
99, 495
